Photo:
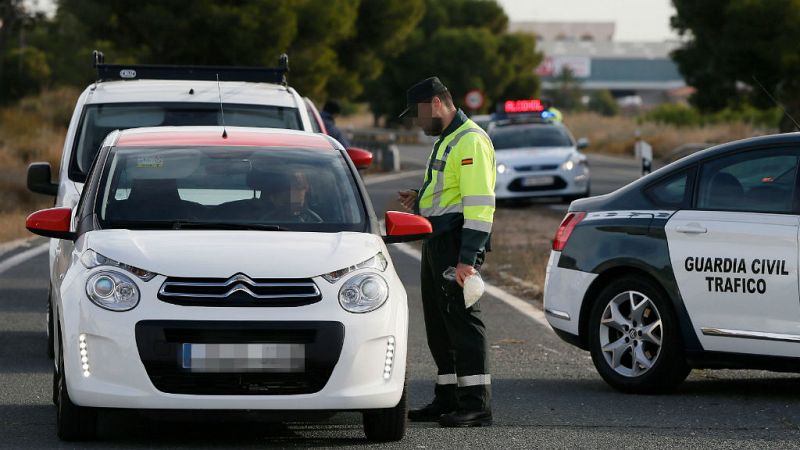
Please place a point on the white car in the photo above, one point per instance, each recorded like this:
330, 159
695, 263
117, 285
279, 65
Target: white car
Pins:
131, 96
240, 269
539, 159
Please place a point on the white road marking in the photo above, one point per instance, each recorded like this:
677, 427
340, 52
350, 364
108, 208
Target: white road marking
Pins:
393, 176
511, 300
22, 257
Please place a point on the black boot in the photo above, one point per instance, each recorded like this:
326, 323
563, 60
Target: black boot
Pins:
430, 413
464, 418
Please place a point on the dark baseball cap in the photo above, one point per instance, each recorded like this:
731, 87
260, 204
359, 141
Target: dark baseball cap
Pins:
422, 92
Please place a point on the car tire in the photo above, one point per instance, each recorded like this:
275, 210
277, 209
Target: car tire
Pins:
387, 425
50, 320
73, 422
634, 338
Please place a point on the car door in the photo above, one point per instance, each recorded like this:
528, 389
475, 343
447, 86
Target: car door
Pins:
735, 253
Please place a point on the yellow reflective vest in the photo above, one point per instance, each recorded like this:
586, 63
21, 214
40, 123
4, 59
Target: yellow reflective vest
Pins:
458, 192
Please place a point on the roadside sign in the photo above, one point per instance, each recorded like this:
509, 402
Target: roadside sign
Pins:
474, 99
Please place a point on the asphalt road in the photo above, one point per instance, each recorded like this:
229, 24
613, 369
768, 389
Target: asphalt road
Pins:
546, 393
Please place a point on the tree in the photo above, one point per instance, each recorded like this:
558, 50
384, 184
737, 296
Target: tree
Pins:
568, 93
603, 103
733, 46
23, 67
463, 42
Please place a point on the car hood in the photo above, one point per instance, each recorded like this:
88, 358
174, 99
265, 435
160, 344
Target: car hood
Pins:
222, 253
534, 155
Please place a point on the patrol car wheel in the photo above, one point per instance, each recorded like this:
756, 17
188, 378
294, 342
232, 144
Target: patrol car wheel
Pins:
634, 340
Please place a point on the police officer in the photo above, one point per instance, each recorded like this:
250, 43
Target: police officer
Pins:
328, 116
457, 196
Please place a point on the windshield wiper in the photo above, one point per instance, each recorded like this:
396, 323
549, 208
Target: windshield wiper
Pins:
226, 226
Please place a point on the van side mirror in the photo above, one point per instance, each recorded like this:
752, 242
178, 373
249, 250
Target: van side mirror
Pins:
40, 179
404, 227
53, 223
582, 143
362, 159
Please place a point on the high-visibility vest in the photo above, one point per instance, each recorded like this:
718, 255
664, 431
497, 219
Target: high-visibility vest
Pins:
459, 186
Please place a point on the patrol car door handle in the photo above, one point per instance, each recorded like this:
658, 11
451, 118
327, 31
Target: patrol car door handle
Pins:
691, 228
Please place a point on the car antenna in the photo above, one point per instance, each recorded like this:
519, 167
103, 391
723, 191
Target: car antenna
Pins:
786, 113
221, 110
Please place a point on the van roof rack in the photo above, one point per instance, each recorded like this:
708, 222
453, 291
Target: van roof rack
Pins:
111, 72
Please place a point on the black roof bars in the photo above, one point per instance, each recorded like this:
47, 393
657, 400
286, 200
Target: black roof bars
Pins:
110, 72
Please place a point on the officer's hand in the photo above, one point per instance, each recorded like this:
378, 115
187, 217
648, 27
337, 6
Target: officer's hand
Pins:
463, 271
407, 199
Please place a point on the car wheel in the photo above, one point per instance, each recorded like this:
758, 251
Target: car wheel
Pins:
386, 425
73, 422
634, 338
50, 334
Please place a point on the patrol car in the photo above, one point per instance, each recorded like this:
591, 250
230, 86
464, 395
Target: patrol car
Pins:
131, 96
227, 269
692, 266
536, 156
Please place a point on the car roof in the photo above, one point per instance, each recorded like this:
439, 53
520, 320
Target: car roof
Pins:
213, 136
232, 92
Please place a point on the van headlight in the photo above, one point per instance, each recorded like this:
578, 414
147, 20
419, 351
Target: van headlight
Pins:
363, 293
112, 291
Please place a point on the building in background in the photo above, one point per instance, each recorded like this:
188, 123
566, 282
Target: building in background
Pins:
636, 73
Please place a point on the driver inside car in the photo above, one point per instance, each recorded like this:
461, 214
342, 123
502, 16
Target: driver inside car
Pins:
284, 198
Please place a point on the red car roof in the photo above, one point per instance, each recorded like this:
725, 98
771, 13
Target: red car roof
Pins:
214, 138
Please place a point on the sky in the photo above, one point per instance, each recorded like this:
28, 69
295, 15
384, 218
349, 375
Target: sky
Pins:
636, 20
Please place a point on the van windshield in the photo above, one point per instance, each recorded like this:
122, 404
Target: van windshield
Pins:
101, 119
292, 189
523, 136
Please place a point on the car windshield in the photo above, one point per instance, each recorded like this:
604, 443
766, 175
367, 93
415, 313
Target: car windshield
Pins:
258, 188
101, 119
504, 138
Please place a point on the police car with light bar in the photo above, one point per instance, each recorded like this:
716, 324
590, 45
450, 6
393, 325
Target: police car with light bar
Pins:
692, 266
536, 156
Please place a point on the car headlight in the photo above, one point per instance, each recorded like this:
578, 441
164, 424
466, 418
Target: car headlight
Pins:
377, 262
113, 291
568, 165
91, 259
363, 293
502, 168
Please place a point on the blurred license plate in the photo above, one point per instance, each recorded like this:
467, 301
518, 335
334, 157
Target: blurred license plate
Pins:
537, 181
244, 357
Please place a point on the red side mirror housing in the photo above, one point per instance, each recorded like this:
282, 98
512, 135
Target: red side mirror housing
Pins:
404, 227
53, 222
362, 159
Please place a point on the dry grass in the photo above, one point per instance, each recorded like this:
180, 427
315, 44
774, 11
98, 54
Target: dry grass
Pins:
32, 130
521, 242
615, 135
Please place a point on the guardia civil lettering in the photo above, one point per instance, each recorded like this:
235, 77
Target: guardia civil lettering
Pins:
736, 265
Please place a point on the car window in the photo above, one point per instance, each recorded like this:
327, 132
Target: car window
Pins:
674, 191
101, 119
295, 189
530, 136
757, 181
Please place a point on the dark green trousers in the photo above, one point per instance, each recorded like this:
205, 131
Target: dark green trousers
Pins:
456, 335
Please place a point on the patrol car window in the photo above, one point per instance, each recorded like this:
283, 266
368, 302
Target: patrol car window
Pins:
530, 136
216, 187
101, 119
762, 181
674, 191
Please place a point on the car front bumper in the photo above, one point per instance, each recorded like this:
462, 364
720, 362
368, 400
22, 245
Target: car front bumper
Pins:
130, 353
512, 184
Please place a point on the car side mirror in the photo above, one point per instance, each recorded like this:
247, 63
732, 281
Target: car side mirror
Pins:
53, 223
582, 143
40, 179
362, 159
404, 227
